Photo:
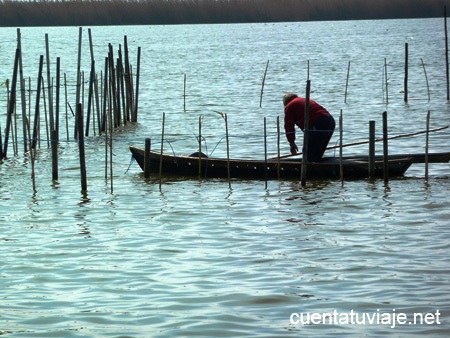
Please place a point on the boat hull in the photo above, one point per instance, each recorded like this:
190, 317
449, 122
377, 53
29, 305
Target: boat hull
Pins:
187, 166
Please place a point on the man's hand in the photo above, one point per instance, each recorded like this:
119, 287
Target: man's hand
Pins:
294, 148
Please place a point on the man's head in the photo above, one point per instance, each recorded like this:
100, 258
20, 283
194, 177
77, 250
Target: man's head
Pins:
288, 97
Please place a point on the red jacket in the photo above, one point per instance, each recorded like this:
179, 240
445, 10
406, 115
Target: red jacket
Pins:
294, 114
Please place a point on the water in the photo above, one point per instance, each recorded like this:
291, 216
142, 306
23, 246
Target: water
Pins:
198, 258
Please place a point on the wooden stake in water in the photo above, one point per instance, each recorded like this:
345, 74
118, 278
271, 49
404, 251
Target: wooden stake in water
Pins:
371, 148
427, 139
136, 96
49, 81
406, 74
12, 102
199, 146
36, 113
306, 135
341, 164
265, 152
147, 157
278, 146
386, 80
184, 94
162, 149
262, 85
446, 53
346, 82
22, 95
426, 79
228, 151
79, 112
385, 149
54, 143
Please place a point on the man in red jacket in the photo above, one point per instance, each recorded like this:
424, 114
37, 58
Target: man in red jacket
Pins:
320, 129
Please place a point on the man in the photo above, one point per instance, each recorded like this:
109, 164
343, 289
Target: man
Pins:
321, 125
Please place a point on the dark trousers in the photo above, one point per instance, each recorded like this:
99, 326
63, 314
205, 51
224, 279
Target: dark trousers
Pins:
319, 136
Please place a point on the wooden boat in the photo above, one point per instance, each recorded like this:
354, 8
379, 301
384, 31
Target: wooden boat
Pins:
354, 167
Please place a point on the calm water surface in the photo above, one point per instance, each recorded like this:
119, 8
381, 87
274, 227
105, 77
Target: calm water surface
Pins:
133, 258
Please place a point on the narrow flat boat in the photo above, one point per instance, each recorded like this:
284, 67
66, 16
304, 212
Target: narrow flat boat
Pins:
354, 167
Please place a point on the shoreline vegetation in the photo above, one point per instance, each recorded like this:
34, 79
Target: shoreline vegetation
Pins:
24, 13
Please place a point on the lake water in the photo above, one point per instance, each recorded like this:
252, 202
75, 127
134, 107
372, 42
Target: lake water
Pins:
133, 258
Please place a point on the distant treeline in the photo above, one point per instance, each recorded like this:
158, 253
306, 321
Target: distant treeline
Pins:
15, 13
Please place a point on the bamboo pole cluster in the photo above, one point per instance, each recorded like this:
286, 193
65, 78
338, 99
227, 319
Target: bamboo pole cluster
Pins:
112, 102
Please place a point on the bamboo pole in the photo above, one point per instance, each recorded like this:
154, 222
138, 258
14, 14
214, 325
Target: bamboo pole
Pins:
386, 80
58, 80
138, 74
341, 164
262, 85
36, 113
162, 150
22, 94
147, 157
426, 79
184, 94
385, 148
47, 132
306, 135
96, 94
346, 82
278, 146
49, 81
371, 149
79, 113
228, 151
54, 143
90, 95
199, 147
265, 152
66, 106
112, 82
406, 74
446, 53
12, 102
128, 79
427, 140
78, 88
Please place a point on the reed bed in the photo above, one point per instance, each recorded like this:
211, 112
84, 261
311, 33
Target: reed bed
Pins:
142, 12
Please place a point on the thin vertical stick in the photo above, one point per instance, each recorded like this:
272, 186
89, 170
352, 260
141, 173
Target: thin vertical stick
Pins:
22, 94
346, 82
90, 94
138, 71
36, 113
406, 74
228, 151
66, 102
371, 148
54, 143
49, 81
265, 152
306, 135
162, 149
446, 53
184, 94
278, 146
97, 103
128, 80
386, 80
385, 148
199, 146
79, 112
47, 132
426, 78
262, 85
58, 80
341, 165
12, 102
147, 157
77, 99
427, 139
